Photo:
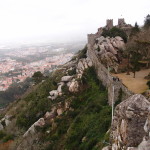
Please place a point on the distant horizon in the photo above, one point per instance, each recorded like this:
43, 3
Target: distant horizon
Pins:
33, 21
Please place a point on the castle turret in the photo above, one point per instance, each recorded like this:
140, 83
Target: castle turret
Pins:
109, 24
121, 22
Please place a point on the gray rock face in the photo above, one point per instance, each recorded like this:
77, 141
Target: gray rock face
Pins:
60, 111
66, 78
130, 117
83, 64
31, 130
107, 50
53, 94
74, 86
107, 148
100, 39
144, 145
1, 127
132, 148
59, 89
6, 120
50, 115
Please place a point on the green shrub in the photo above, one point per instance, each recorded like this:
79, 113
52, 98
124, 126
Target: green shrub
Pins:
37, 77
21, 121
94, 118
38, 103
82, 53
148, 83
2, 134
147, 22
8, 137
115, 32
72, 72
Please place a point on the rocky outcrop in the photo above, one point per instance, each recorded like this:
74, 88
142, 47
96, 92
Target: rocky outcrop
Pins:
53, 94
74, 86
1, 126
107, 79
147, 94
32, 129
107, 50
107, 148
66, 78
50, 115
4, 122
70, 81
60, 85
83, 64
129, 119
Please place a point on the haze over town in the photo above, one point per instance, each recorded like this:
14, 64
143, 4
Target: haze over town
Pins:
33, 21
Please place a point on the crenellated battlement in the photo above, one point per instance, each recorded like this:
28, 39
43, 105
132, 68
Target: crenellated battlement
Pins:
109, 25
121, 22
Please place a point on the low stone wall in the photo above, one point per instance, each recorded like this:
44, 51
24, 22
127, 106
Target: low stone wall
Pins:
107, 79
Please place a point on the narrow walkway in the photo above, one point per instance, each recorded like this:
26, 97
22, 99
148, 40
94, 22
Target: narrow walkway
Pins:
137, 84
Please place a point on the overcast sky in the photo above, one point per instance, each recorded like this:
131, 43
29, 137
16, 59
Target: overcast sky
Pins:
62, 20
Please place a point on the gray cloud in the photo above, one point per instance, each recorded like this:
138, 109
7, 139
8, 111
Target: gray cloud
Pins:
64, 19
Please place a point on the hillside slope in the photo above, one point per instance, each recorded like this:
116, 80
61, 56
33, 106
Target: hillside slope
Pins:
77, 118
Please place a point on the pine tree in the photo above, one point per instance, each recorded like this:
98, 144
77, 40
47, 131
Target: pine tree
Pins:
147, 22
135, 30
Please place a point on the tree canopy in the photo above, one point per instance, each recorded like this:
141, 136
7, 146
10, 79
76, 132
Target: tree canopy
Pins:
115, 32
147, 22
37, 77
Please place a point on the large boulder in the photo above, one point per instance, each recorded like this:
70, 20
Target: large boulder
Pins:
114, 44
60, 111
102, 47
53, 94
118, 38
66, 78
1, 127
145, 144
119, 42
132, 148
129, 119
32, 129
83, 64
80, 67
60, 85
109, 51
112, 49
4, 122
107, 148
50, 115
89, 62
74, 86
100, 39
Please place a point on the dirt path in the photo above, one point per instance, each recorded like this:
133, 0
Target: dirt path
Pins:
137, 84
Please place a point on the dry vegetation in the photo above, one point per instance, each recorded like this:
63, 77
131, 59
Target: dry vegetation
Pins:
137, 84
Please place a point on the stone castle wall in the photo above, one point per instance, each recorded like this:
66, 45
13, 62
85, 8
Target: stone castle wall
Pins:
102, 72
121, 22
109, 24
106, 78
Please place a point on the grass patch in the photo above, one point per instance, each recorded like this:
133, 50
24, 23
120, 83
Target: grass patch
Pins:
85, 127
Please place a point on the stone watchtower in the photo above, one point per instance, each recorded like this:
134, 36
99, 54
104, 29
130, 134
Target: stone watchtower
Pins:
121, 22
109, 24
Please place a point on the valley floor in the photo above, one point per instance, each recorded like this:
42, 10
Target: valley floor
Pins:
137, 84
